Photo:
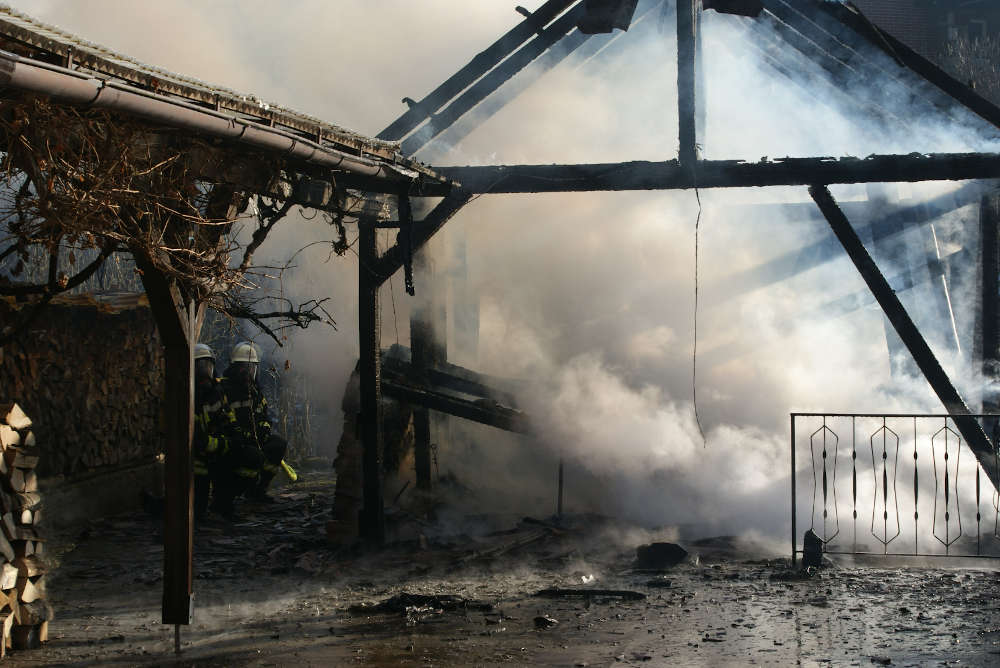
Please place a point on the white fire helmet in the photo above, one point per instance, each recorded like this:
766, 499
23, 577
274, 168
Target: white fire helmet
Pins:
244, 351
202, 351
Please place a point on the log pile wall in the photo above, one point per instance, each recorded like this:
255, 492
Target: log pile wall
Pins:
90, 373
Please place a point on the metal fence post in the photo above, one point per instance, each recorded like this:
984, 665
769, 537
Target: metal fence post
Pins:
792, 417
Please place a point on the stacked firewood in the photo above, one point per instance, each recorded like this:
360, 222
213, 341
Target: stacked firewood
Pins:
24, 613
91, 375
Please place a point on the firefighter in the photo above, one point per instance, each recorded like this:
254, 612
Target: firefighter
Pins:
213, 425
261, 452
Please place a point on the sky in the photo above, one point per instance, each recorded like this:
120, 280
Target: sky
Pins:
590, 296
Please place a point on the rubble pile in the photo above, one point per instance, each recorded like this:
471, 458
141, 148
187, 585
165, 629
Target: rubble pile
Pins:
24, 612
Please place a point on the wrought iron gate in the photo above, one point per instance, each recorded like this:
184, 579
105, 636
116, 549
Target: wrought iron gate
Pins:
858, 476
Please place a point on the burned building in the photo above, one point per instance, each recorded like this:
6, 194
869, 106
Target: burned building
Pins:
827, 45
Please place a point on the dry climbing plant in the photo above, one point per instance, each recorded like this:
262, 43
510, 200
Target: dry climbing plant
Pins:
80, 186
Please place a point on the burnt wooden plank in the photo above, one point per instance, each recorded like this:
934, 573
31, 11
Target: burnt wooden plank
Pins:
481, 411
643, 175
687, 36
922, 354
482, 63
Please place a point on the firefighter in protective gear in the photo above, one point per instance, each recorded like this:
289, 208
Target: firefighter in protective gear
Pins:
214, 421
261, 451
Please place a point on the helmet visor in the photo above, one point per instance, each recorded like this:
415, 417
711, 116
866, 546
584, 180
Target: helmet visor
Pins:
204, 367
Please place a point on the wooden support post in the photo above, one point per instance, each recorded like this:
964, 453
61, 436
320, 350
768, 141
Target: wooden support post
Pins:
369, 336
178, 512
687, 32
936, 376
175, 321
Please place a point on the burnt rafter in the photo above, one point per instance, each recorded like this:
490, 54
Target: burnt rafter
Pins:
669, 175
907, 330
904, 55
480, 90
474, 69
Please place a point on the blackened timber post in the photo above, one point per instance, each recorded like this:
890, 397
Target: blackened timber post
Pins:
175, 322
922, 354
421, 350
178, 510
687, 28
989, 248
369, 335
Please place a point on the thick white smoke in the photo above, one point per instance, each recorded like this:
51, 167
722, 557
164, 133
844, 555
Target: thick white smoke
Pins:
590, 296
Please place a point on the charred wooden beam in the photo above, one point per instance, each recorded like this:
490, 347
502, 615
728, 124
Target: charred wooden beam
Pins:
474, 69
922, 354
906, 56
482, 411
427, 330
687, 40
492, 81
370, 418
576, 44
175, 319
724, 173
393, 259
453, 378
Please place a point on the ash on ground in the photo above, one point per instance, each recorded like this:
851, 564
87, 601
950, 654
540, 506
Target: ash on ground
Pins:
270, 591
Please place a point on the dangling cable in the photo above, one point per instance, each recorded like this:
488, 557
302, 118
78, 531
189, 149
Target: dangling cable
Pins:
694, 354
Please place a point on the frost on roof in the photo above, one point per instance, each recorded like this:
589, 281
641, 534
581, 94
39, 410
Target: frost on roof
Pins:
23, 28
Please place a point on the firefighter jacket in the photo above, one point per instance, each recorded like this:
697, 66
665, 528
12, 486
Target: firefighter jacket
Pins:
214, 422
252, 423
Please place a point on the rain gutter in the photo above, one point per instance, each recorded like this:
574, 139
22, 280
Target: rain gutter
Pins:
82, 89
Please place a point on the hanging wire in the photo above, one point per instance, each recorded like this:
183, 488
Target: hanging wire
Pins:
694, 353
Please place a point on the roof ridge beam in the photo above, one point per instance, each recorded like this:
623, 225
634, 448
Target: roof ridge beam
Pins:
482, 63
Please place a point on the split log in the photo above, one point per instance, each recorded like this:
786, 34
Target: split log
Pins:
27, 500
27, 516
30, 481
22, 458
8, 437
83, 418
8, 526
14, 416
29, 567
8, 577
7, 550
36, 612
17, 480
6, 624
27, 590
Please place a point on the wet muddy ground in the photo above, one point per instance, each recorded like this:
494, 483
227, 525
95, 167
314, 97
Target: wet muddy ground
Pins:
270, 592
